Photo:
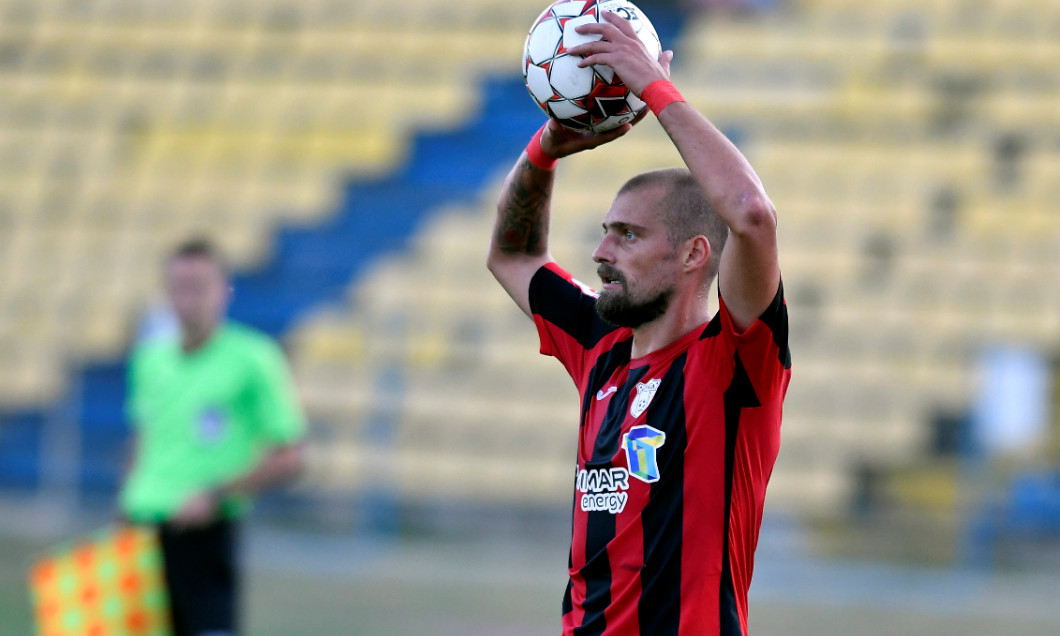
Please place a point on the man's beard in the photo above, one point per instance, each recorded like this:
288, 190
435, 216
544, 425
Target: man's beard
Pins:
619, 309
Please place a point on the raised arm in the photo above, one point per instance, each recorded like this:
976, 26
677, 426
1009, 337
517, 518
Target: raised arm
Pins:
749, 273
519, 244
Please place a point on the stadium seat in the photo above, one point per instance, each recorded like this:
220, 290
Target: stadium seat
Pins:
838, 105
140, 123
129, 125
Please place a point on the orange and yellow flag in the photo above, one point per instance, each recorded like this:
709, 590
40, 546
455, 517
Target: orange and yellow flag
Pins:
110, 584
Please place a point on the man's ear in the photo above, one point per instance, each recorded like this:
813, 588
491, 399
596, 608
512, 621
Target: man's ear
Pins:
696, 252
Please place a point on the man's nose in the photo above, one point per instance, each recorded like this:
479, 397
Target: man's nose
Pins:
602, 253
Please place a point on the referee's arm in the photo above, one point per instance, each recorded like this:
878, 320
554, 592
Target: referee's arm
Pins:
279, 465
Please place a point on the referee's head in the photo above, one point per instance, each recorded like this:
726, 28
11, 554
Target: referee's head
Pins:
198, 289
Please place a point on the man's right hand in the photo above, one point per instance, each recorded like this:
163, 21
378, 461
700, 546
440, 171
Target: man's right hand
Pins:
559, 141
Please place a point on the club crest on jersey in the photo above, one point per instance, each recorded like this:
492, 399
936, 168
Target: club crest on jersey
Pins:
211, 425
641, 444
645, 392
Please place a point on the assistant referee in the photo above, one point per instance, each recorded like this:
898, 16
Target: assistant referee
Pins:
215, 420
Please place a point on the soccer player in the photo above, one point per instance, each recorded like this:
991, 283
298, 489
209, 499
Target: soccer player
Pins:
680, 408
216, 421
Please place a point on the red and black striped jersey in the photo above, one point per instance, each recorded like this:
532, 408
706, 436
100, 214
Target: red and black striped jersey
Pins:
674, 453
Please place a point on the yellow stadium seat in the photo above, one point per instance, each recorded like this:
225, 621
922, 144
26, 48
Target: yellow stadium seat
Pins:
127, 127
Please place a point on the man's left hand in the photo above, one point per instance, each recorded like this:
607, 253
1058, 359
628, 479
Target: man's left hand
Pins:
623, 51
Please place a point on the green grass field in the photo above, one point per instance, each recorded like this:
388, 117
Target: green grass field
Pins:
15, 556
303, 584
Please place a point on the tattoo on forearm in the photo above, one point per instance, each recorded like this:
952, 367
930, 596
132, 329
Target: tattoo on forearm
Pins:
523, 226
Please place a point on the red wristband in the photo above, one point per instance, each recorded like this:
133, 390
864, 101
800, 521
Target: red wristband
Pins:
660, 94
537, 155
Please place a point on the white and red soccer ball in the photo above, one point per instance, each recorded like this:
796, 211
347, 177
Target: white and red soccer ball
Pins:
591, 98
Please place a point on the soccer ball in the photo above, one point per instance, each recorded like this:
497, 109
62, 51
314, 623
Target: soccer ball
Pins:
591, 98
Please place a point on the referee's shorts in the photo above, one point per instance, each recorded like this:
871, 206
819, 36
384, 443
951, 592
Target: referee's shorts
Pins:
202, 578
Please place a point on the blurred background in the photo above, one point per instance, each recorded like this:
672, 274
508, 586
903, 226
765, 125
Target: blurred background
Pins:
347, 156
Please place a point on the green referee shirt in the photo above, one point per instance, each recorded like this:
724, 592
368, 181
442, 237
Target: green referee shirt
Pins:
205, 418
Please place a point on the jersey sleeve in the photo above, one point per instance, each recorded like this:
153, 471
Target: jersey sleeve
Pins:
274, 401
762, 347
564, 312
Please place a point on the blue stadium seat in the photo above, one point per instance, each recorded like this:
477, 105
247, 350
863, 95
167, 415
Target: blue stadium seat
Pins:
20, 449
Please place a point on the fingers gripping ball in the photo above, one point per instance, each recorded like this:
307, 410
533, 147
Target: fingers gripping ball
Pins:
592, 98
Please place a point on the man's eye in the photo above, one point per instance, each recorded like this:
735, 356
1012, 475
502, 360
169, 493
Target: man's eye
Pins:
630, 235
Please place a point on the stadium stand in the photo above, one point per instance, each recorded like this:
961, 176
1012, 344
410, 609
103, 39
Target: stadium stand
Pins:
912, 150
855, 118
131, 124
